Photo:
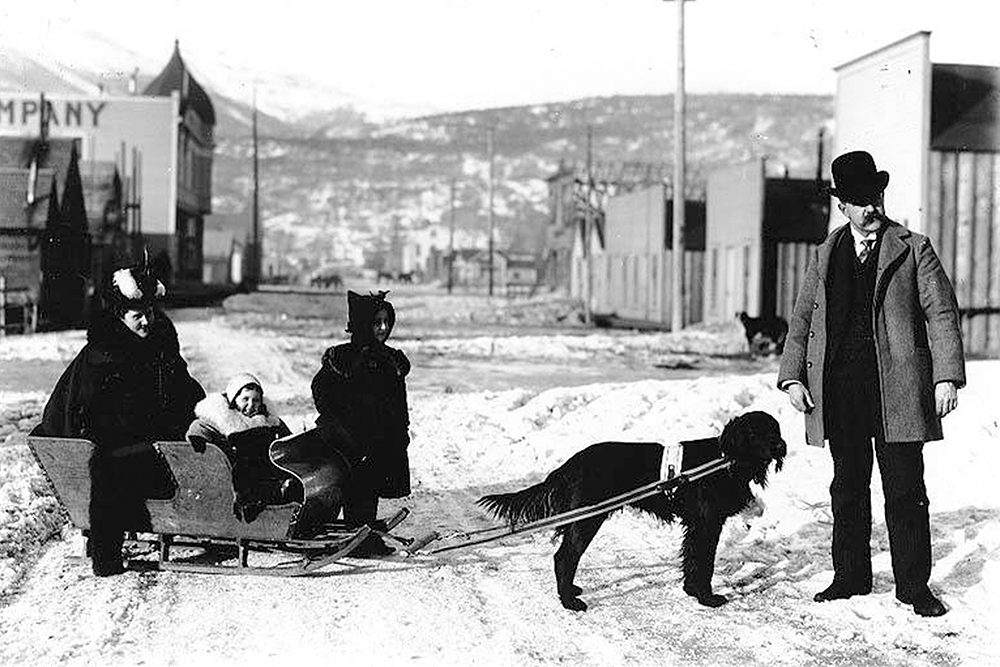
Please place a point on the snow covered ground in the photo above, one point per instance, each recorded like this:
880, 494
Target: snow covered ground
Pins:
496, 604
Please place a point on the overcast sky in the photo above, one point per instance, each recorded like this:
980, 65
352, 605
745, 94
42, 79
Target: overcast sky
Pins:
463, 54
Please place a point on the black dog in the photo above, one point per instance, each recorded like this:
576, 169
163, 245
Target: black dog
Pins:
765, 335
749, 442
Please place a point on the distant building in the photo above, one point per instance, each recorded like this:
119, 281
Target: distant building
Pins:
573, 195
470, 267
513, 273
222, 258
149, 155
518, 273
60, 222
565, 225
426, 248
195, 144
936, 129
758, 237
224, 249
631, 270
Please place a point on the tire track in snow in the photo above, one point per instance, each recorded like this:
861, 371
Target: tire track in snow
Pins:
216, 352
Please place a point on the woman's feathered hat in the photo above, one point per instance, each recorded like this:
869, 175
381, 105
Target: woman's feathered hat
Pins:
132, 287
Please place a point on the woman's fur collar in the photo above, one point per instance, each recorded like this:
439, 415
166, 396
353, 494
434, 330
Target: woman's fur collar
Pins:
215, 409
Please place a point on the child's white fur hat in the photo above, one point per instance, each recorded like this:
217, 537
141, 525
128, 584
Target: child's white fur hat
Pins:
237, 382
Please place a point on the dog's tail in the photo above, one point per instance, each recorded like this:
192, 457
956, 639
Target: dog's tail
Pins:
531, 504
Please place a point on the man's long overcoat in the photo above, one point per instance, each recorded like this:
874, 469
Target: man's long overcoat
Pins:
918, 340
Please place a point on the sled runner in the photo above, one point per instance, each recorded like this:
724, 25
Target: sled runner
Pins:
669, 484
200, 511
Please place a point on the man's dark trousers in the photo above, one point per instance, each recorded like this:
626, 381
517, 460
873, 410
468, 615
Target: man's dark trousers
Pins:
853, 423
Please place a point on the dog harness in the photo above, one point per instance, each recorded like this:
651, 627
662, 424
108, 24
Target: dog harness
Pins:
670, 464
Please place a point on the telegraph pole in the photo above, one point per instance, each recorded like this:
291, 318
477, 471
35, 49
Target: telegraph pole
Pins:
489, 151
451, 240
588, 226
677, 248
256, 254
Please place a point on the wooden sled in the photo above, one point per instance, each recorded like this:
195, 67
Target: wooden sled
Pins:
200, 511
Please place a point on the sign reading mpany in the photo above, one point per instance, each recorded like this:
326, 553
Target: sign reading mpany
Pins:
60, 113
137, 133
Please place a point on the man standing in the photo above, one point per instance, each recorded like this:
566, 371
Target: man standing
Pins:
874, 354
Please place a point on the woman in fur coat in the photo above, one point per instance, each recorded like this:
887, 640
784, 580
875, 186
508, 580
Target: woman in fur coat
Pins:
243, 423
360, 394
127, 388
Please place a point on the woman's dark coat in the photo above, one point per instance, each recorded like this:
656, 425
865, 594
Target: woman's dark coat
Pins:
360, 394
122, 393
121, 389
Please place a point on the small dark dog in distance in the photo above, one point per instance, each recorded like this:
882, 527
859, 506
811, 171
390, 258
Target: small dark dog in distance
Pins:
765, 335
751, 442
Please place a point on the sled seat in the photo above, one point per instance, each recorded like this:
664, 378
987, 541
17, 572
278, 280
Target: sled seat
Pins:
202, 504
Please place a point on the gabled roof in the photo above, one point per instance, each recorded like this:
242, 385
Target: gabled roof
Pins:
175, 76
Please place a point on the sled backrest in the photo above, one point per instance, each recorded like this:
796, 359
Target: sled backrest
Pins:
322, 471
66, 464
203, 504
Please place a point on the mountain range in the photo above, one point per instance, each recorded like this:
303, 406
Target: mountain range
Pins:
326, 169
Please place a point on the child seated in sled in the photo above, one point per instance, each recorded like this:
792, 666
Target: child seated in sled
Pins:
243, 424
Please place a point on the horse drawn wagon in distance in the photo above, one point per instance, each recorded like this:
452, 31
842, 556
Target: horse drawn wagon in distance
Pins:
200, 511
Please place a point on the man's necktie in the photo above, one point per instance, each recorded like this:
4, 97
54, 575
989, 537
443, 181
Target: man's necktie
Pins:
866, 249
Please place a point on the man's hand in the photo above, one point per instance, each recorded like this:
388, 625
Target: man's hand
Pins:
799, 397
945, 397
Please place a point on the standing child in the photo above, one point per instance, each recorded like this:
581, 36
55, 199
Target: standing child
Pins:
360, 393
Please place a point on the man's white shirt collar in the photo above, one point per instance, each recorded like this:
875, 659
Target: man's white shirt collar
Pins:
859, 237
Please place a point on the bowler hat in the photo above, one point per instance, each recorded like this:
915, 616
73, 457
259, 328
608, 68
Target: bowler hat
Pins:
855, 179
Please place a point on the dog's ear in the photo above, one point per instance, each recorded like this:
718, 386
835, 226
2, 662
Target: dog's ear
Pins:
733, 439
752, 441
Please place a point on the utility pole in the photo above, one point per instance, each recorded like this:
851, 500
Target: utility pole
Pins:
451, 240
588, 225
256, 254
489, 150
677, 248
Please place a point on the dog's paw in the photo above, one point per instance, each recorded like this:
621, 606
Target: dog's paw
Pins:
574, 590
573, 603
712, 600
706, 597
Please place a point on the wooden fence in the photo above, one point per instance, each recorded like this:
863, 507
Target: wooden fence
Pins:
964, 226
790, 270
634, 286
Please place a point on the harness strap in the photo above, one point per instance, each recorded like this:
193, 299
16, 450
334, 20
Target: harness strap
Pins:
603, 507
